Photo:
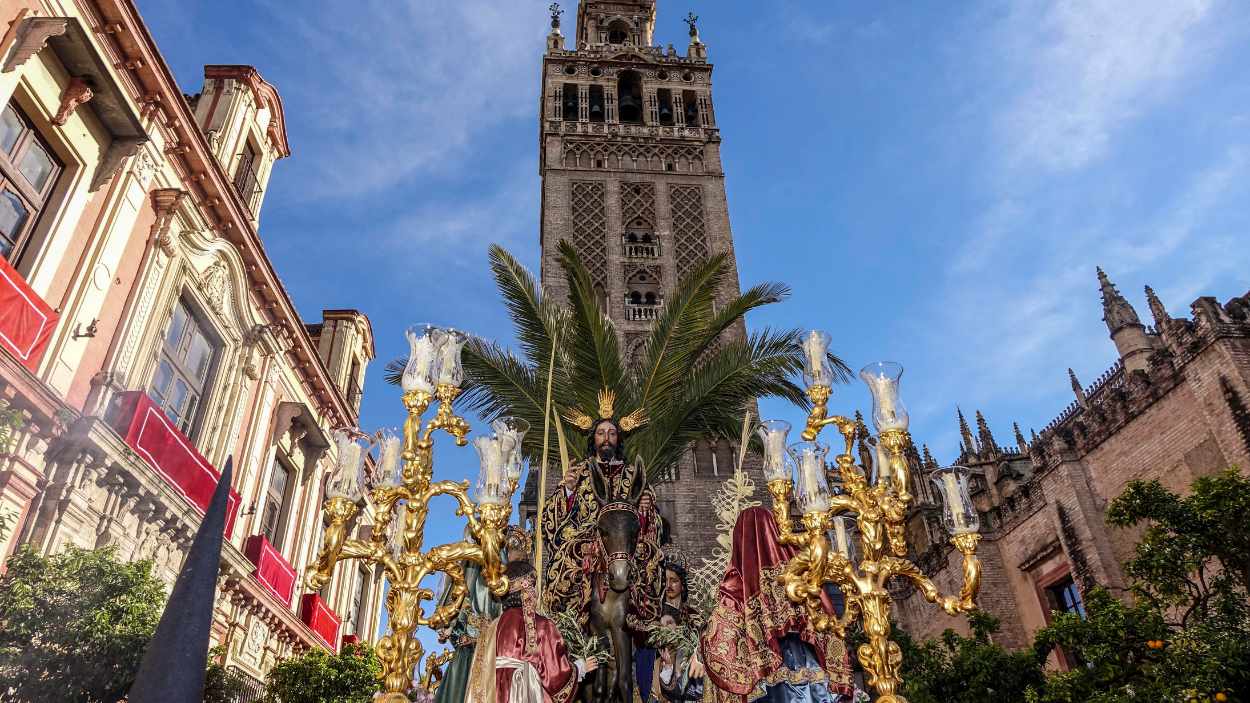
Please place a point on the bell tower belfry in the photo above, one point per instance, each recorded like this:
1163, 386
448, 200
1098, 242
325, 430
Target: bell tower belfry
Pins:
632, 178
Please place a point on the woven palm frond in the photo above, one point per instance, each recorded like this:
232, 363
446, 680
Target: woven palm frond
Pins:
733, 497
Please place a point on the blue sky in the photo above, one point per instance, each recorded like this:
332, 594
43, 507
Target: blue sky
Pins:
935, 180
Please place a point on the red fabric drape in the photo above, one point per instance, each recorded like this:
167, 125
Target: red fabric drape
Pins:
26, 321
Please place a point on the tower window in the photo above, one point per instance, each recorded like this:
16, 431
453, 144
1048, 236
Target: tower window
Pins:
596, 103
665, 98
618, 32
629, 97
570, 102
690, 101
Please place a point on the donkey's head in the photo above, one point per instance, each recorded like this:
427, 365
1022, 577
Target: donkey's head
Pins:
618, 528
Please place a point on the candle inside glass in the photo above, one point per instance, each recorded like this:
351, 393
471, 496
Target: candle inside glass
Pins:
812, 489
954, 500
842, 541
816, 347
449, 369
418, 375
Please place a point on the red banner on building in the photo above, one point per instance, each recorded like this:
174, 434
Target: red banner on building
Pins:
321, 620
149, 432
26, 321
272, 571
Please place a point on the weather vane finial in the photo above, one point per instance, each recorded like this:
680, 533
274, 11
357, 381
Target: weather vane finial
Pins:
693, 20
555, 15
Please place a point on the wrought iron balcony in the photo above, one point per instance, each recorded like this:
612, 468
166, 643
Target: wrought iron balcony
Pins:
248, 187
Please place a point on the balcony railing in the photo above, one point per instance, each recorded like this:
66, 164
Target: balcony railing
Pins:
246, 182
272, 570
149, 432
642, 312
319, 618
26, 321
640, 250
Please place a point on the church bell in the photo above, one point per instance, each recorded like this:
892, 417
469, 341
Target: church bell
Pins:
631, 109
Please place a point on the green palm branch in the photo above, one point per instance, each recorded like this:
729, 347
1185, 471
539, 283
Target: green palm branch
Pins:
695, 375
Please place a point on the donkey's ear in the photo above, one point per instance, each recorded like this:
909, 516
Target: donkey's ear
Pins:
599, 485
636, 489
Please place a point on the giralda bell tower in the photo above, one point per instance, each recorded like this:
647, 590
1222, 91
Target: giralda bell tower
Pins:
632, 177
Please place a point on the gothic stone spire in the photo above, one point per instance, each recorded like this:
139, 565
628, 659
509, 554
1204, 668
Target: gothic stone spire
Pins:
969, 445
1021, 443
1160, 313
1078, 389
985, 438
1116, 311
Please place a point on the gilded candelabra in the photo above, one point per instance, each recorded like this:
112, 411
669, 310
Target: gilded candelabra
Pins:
874, 506
400, 489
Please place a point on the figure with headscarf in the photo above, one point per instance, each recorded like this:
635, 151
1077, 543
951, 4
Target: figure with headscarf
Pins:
478, 610
758, 645
520, 656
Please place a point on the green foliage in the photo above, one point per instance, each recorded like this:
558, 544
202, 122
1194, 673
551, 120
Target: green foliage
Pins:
958, 669
220, 684
579, 644
11, 422
1186, 635
75, 625
351, 676
692, 381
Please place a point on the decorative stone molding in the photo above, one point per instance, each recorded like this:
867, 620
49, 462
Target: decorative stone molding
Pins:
77, 92
32, 36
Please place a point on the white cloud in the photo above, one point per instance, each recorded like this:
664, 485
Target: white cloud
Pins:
406, 89
1089, 66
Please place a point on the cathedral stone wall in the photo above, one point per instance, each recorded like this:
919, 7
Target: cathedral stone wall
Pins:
1179, 415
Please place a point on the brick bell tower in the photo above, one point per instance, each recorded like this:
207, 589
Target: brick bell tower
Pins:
632, 177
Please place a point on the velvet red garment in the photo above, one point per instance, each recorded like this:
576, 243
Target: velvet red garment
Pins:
741, 645
551, 660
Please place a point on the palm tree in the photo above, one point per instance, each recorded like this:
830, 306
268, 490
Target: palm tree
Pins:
693, 380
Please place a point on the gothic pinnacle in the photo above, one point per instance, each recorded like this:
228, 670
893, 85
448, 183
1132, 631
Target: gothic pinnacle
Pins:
1162, 318
985, 438
965, 433
1020, 441
930, 464
1078, 389
1116, 311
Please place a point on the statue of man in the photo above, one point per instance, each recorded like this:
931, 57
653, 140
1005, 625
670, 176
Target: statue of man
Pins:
571, 530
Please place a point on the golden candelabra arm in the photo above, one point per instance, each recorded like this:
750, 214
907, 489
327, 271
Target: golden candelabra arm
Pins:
446, 419
339, 512
819, 417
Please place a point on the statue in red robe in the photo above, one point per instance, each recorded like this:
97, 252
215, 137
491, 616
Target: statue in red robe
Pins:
758, 646
520, 656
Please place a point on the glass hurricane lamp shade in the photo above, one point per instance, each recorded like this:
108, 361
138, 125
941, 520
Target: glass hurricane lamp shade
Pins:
513, 429
960, 516
492, 454
450, 369
390, 467
777, 463
817, 371
812, 489
348, 472
888, 411
422, 369
841, 535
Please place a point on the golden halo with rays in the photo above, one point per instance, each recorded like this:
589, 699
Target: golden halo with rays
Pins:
607, 410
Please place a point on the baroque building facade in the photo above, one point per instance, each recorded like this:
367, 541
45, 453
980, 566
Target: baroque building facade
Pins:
147, 337
630, 159
1174, 407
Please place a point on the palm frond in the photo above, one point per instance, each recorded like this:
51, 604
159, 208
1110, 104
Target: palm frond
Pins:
674, 341
593, 345
535, 318
714, 397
